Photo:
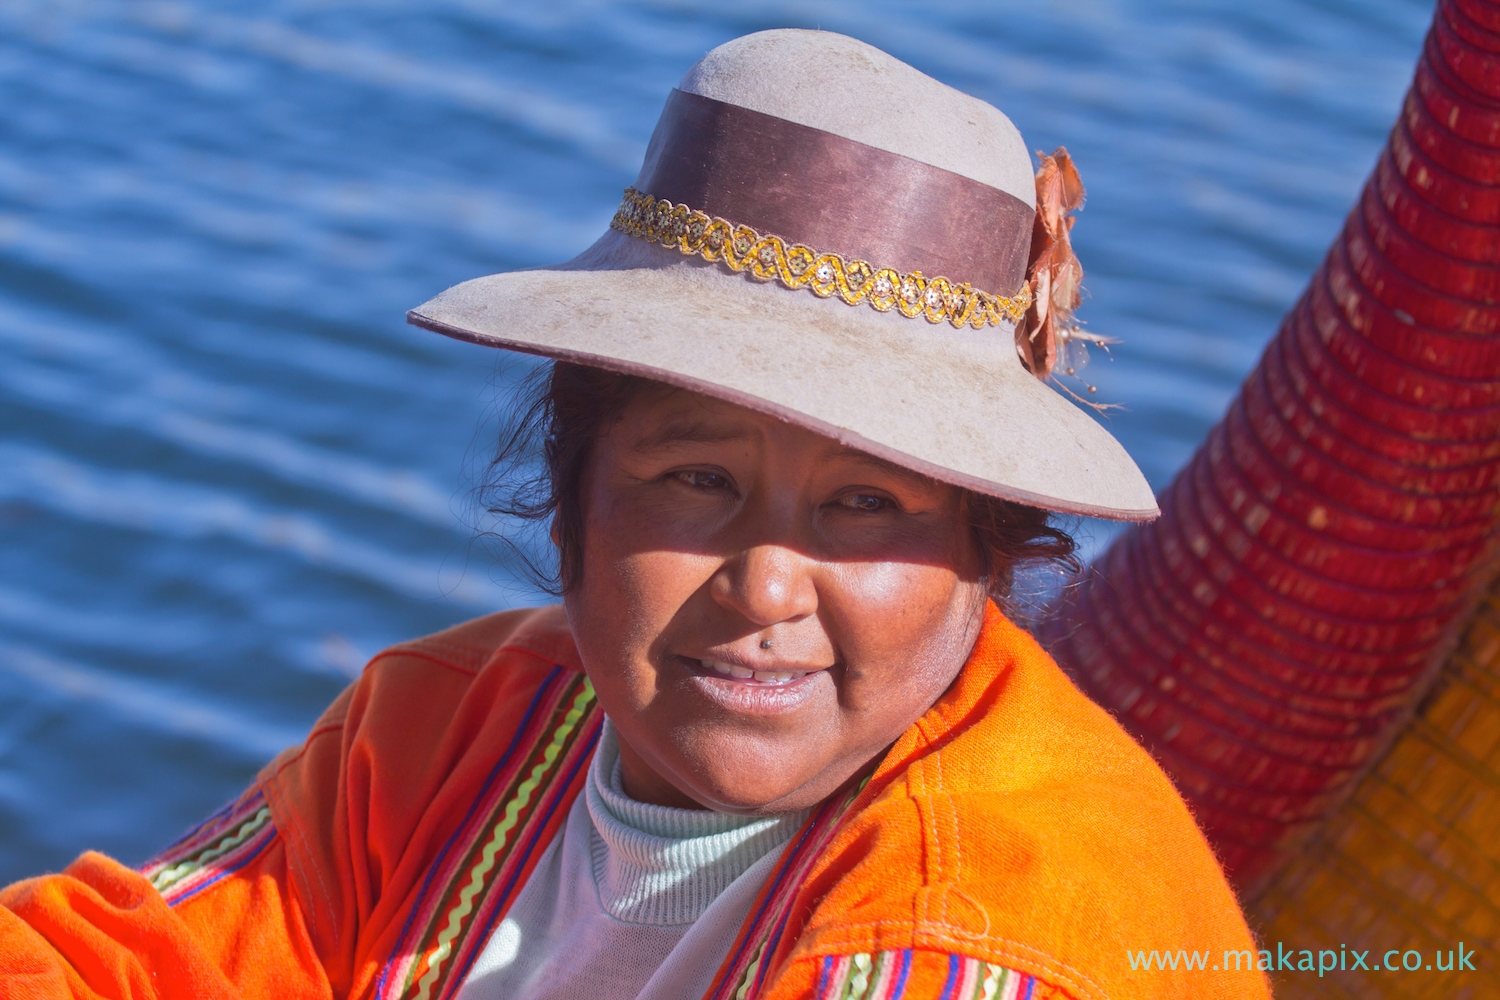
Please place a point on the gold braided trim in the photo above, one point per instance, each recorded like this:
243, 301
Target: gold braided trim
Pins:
770, 258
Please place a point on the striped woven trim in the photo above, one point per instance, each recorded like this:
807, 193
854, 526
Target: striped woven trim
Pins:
881, 976
971, 979
478, 872
218, 847
746, 967
884, 975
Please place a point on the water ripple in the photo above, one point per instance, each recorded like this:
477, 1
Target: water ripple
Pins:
229, 471
142, 704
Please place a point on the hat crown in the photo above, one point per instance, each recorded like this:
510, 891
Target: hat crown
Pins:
841, 85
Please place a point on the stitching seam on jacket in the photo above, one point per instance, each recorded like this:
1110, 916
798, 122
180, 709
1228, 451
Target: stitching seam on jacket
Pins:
927, 810
290, 831
470, 657
420, 655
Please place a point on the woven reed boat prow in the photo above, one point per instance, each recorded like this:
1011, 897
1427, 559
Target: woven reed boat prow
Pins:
1285, 639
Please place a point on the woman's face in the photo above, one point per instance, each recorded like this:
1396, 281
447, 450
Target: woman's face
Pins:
762, 610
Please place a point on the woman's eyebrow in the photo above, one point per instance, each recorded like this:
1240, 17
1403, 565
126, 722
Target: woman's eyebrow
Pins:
865, 458
690, 432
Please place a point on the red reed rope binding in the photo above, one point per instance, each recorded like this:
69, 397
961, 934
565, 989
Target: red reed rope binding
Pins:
1271, 632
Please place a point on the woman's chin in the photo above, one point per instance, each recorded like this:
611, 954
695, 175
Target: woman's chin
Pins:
757, 801
779, 782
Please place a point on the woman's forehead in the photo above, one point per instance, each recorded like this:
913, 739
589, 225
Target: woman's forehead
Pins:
669, 421
655, 420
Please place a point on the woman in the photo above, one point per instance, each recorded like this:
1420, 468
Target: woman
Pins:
779, 740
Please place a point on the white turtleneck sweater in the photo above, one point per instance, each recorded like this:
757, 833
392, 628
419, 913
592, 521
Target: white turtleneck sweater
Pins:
631, 901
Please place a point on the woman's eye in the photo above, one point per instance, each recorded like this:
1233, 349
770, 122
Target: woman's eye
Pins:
704, 480
865, 502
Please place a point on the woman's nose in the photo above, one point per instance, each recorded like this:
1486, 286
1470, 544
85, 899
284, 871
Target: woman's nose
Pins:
767, 584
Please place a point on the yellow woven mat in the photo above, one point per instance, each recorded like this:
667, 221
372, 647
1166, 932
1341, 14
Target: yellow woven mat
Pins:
1412, 860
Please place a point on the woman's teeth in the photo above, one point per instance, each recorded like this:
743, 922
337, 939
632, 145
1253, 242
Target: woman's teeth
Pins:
745, 673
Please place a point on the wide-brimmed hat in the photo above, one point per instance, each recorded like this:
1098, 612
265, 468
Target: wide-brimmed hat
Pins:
825, 234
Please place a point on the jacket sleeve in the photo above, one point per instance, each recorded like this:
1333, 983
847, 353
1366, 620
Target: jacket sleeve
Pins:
211, 918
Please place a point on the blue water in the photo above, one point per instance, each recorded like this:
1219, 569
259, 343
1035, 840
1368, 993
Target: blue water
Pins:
229, 472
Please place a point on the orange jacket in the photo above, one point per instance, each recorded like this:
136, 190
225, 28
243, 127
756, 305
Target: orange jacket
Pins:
1013, 843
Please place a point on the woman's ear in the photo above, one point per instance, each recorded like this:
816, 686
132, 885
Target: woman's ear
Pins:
554, 527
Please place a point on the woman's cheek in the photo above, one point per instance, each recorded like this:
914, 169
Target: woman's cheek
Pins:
658, 583
886, 598
897, 626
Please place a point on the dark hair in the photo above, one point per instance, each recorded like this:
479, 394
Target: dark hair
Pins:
560, 410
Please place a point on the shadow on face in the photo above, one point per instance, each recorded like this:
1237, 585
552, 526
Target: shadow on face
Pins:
762, 610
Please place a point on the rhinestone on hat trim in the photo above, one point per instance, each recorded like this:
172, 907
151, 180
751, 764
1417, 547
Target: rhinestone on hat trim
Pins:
770, 258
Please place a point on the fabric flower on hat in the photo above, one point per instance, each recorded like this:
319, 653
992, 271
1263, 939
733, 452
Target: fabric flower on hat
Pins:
1054, 272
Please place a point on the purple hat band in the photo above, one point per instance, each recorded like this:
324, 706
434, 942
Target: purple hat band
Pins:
837, 195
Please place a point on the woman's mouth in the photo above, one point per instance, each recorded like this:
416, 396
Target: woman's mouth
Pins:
738, 672
774, 689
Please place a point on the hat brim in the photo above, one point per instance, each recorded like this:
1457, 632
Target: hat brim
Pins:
956, 405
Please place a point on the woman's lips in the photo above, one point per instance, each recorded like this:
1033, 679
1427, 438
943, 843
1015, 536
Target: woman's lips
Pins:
763, 676
773, 690
738, 672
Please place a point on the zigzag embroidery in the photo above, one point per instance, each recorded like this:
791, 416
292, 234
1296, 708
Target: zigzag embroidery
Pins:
220, 846
744, 970
476, 875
